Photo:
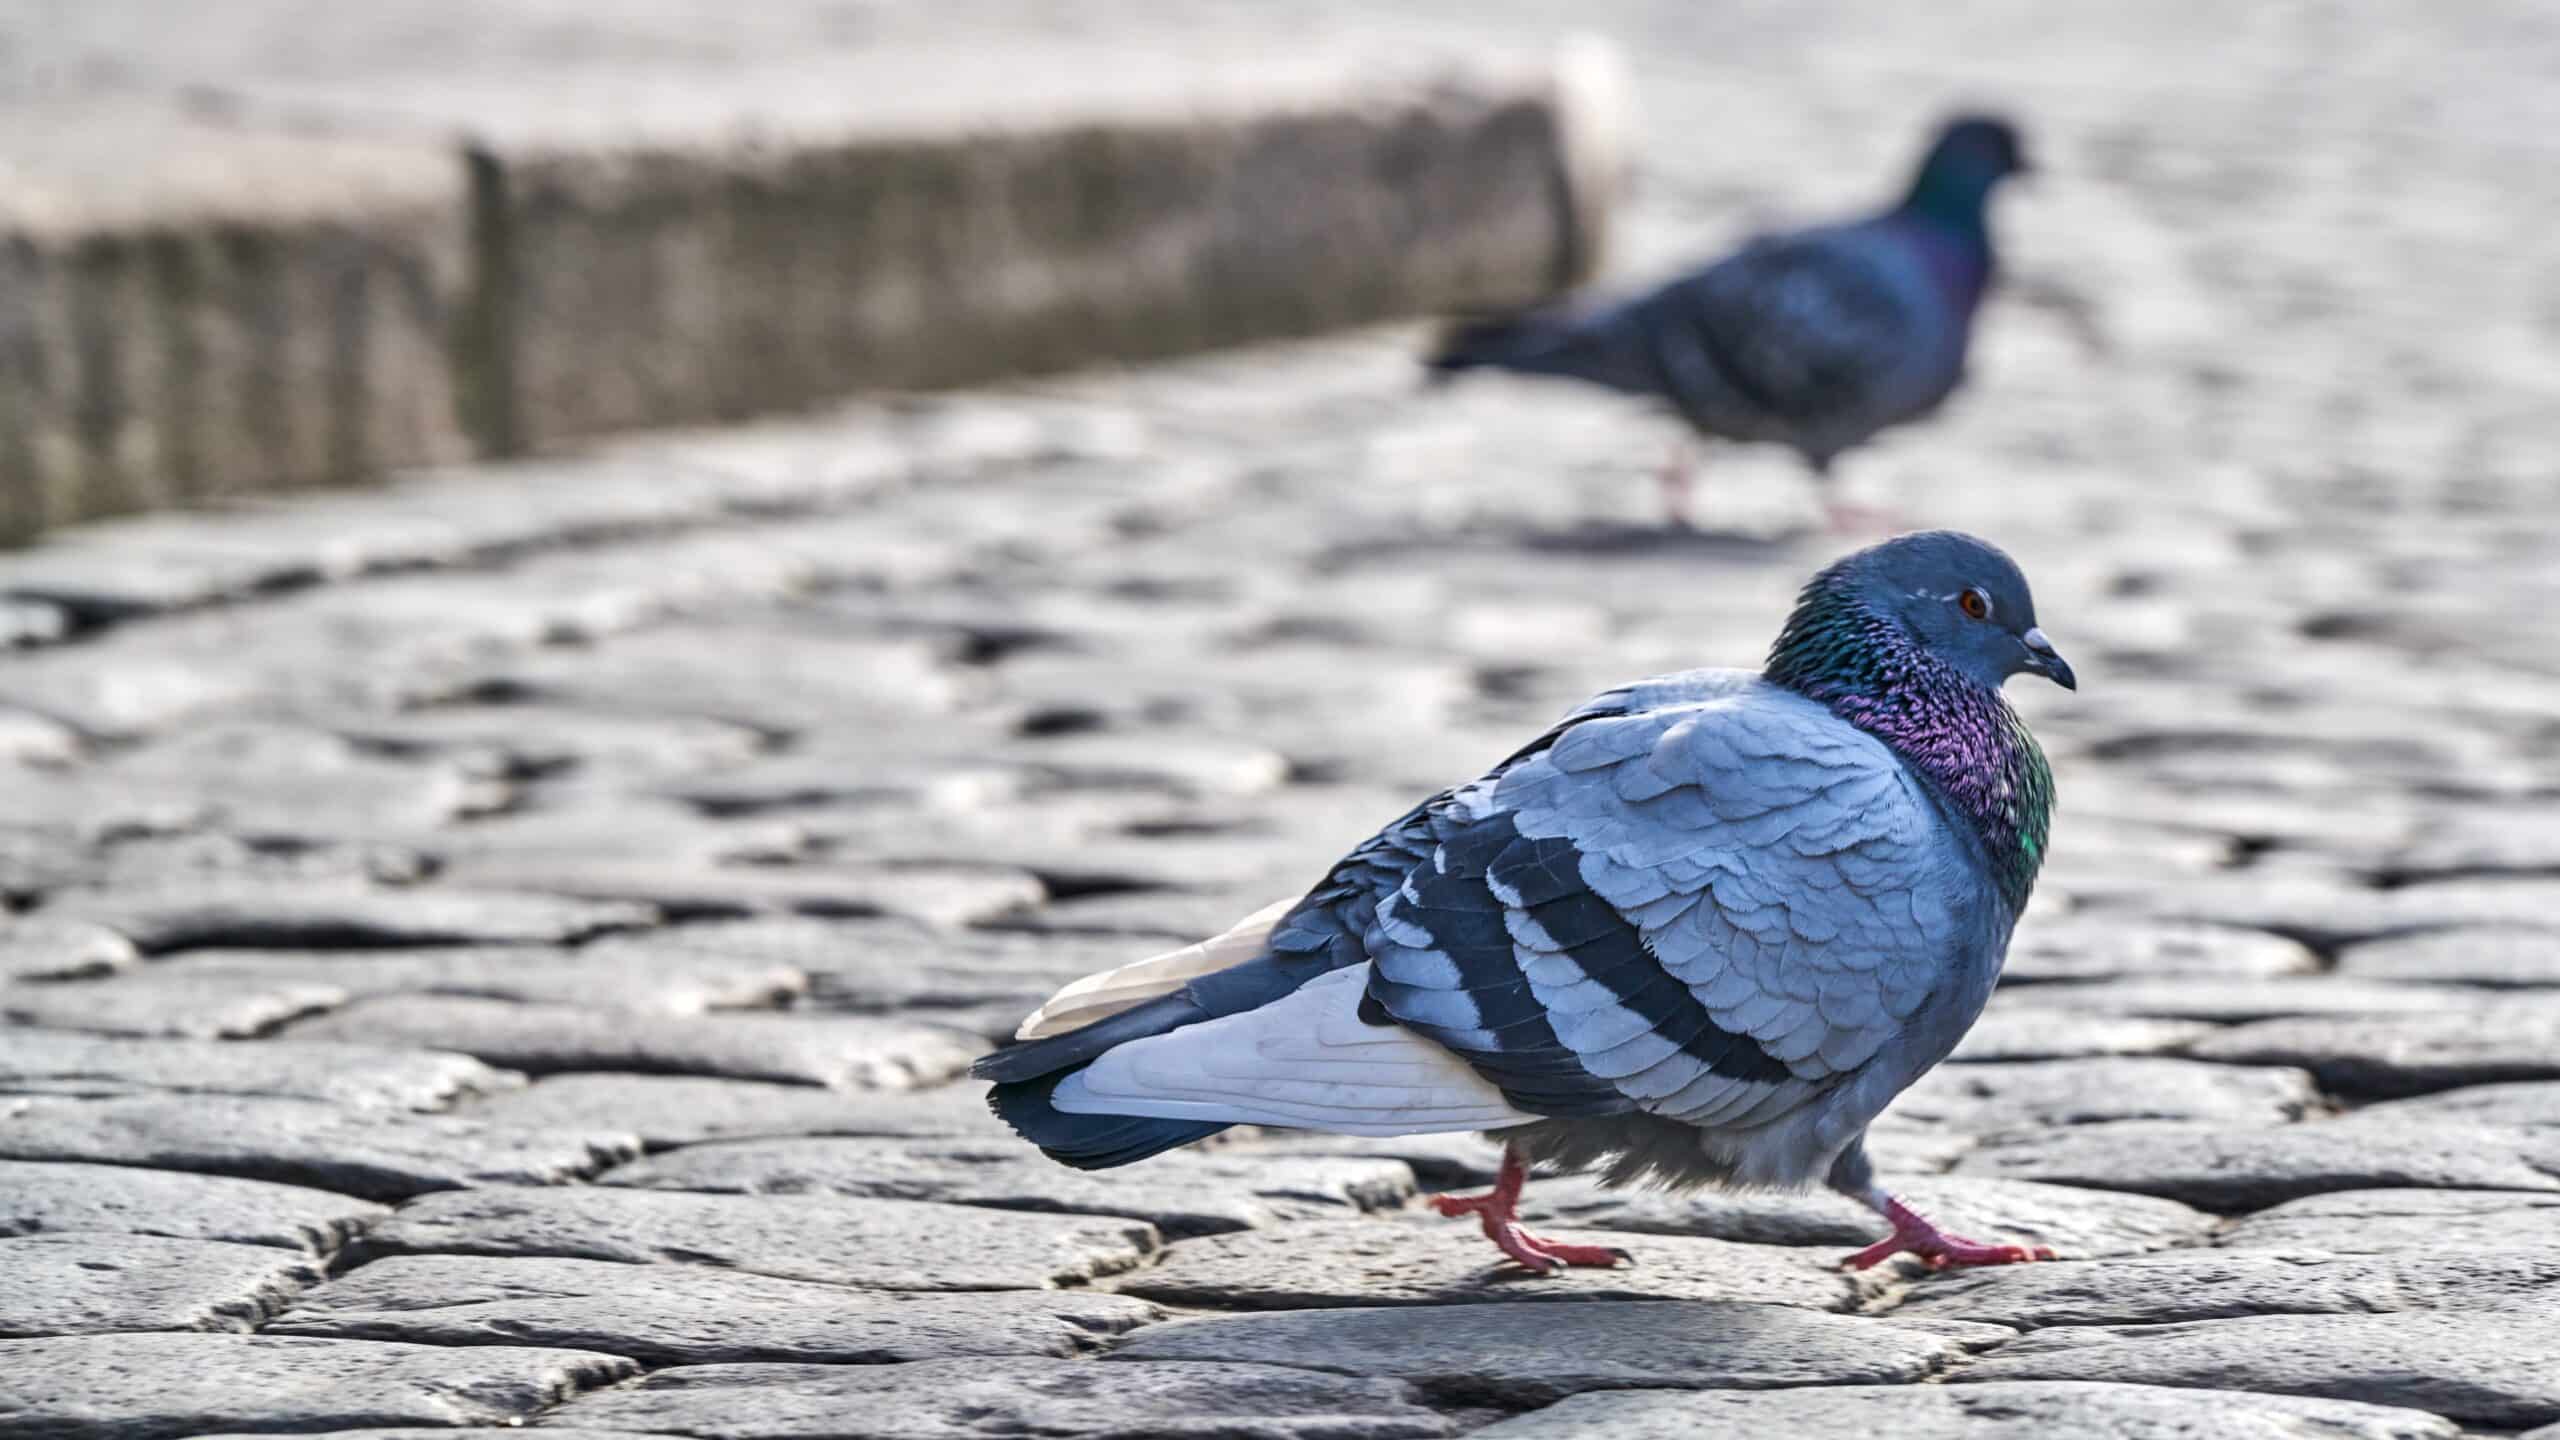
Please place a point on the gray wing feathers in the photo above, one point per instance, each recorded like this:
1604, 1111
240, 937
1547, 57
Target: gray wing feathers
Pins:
1779, 865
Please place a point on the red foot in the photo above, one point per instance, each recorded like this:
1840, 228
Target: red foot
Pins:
1847, 518
1679, 489
1499, 1210
1912, 1233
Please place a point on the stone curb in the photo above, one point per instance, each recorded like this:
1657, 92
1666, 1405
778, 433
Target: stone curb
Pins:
194, 307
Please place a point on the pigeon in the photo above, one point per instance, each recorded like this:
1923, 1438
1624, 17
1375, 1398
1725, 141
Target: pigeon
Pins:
1813, 339
1701, 931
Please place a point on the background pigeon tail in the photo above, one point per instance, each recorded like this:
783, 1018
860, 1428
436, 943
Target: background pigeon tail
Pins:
1088, 1142
1597, 346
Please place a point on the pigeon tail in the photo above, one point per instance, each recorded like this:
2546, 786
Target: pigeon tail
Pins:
1088, 1142
1597, 347
1027, 1074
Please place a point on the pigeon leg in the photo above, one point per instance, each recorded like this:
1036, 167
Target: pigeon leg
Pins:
1679, 486
1499, 1210
1914, 1233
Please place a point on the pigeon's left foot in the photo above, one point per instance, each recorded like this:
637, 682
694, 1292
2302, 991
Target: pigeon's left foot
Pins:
1846, 517
1914, 1234
1679, 487
1499, 1210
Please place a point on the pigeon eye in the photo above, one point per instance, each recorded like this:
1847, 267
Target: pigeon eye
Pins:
1975, 604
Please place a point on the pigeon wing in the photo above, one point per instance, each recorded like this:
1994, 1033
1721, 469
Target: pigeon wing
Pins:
1794, 333
1710, 911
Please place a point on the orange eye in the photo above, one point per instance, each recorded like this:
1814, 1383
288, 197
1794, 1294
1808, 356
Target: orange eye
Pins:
1974, 604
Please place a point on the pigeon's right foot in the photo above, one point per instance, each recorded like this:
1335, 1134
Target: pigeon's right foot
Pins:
1499, 1210
1679, 488
1914, 1234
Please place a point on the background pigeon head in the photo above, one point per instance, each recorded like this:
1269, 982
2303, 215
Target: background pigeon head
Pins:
1956, 598
1973, 154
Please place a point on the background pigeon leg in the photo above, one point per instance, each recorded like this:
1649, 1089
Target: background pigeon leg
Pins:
1914, 1233
1679, 486
1499, 1211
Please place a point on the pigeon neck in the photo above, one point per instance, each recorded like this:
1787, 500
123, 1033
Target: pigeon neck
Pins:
1957, 734
1951, 215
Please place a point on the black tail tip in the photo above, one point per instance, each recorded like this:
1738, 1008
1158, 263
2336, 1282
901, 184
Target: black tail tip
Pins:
1089, 1142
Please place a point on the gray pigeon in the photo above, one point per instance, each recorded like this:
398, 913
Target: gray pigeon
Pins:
1703, 930
1814, 339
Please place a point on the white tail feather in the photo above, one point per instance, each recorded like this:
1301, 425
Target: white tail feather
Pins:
1097, 997
1306, 1060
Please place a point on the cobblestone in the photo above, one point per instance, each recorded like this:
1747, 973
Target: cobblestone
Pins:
38, 1198
2492, 1368
1529, 1353
146, 1386
2020, 1410
836, 1241
670, 1315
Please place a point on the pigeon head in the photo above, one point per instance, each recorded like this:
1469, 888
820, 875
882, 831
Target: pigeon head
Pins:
1938, 596
1910, 641
1972, 154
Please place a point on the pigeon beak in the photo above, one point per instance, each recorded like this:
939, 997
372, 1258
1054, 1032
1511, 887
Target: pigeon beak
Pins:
2042, 659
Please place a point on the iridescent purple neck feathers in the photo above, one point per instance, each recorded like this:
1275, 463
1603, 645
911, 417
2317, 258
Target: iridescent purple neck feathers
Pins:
1955, 732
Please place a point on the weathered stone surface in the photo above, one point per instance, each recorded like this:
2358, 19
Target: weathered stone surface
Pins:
80, 1284
468, 1432
2489, 956
274, 314
2487, 1367
263, 778
2328, 916
149, 1386
971, 1399
692, 1315
2105, 947
2404, 1054
847, 1050
178, 917
887, 964
149, 851
2018, 1410
39, 1198
723, 670
1430, 1261
2218, 1284
2020, 1027
2532, 1103
1527, 1354
2235, 1170
155, 1001
2398, 1222
375, 1154
454, 1433
1183, 1193
532, 739
670, 983
869, 1243
42, 948
1986, 1099
2234, 1001
672, 1110
2073, 1221
950, 895
1447, 1161
55, 1062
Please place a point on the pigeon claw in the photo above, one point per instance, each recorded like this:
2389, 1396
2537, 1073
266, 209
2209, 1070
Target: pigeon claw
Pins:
1913, 1234
1498, 1210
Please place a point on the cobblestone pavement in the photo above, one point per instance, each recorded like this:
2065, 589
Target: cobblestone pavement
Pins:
499, 949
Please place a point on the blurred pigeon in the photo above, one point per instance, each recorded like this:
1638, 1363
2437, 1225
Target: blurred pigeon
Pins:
1814, 339
1703, 930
